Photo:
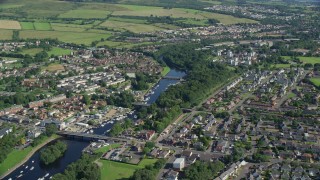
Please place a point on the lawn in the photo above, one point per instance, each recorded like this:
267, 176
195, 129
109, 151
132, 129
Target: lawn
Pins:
69, 37
5, 34
85, 14
111, 170
9, 24
311, 60
282, 65
27, 25
42, 26
32, 51
107, 148
165, 71
315, 81
14, 158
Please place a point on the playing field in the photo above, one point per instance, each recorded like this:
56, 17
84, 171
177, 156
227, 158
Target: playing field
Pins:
111, 170
27, 25
8, 24
53, 68
69, 37
311, 60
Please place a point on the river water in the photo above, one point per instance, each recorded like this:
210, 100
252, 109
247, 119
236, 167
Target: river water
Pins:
75, 147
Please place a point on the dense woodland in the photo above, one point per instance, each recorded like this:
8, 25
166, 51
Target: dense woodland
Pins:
53, 152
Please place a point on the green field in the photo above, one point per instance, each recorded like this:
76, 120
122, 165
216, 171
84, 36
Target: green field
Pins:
165, 71
54, 51
69, 37
27, 25
85, 14
107, 148
133, 27
282, 65
40, 26
111, 170
14, 158
315, 81
311, 60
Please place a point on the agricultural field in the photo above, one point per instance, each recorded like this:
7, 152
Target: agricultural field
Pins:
27, 25
85, 14
133, 27
311, 60
111, 170
5, 34
56, 51
42, 26
69, 37
9, 24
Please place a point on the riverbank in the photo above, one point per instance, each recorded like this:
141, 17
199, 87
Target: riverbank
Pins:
29, 152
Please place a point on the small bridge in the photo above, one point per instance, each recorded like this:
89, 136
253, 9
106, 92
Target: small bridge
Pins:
173, 78
88, 137
141, 104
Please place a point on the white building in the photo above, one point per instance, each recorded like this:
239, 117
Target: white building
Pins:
179, 164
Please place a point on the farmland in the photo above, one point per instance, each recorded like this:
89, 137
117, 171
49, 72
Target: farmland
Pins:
84, 23
303, 59
8, 24
54, 51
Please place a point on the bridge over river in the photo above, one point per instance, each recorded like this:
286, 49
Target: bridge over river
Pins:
89, 137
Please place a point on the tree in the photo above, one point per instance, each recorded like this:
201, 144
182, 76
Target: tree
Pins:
86, 99
51, 129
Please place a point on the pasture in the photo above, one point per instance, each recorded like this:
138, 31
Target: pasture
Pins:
27, 25
69, 37
133, 27
312, 60
85, 14
56, 51
42, 26
6, 34
9, 24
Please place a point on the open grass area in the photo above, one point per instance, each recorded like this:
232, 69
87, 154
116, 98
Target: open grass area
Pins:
282, 65
111, 170
9, 24
85, 14
14, 158
42, 26
69, 37
5, 34
56, 51
165, 71
68, 27
311, 60
27, 25
107, 148
315, 81
53, 67
133, 27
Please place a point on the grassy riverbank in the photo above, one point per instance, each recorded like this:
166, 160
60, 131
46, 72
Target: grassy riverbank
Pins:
17, 157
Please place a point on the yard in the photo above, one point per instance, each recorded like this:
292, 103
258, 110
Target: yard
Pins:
315, 81
107, 148
111, 170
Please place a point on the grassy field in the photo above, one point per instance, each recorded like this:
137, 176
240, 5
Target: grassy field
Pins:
107, 148
5, 34
315, 81
42, 26
69, 37
27, 25
85, 14
133, 27
54, 51
165, 71
311, 60
9, 24
14, 158
111, 170
53, 67
282, 65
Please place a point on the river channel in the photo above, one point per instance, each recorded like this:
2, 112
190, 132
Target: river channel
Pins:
33, 169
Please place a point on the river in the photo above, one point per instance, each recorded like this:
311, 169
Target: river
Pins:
75, 147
